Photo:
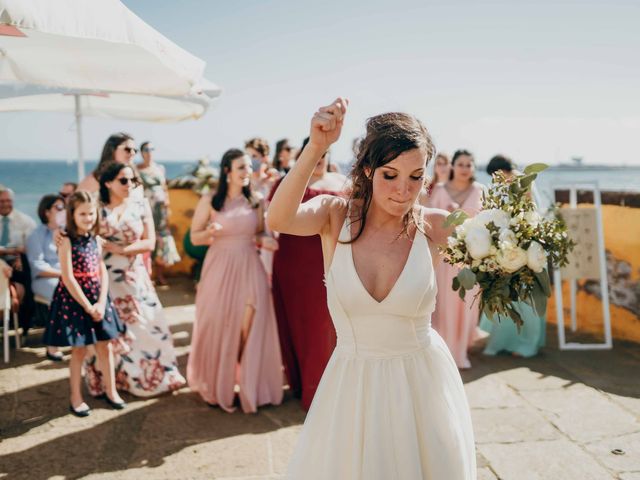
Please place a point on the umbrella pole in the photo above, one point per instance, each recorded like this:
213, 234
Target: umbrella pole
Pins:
79, 138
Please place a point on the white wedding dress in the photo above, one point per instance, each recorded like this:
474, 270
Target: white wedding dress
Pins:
391, 404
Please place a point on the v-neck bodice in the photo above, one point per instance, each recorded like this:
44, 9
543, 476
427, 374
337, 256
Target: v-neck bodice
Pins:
398, 324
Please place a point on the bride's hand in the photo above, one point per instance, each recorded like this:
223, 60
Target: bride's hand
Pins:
326, 124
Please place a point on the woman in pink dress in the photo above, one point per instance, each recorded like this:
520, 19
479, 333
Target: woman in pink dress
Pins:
454, 319
235, 337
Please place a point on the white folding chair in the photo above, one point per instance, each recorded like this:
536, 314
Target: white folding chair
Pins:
5, 306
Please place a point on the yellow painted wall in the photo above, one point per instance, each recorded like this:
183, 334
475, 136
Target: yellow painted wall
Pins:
622, 239
183, 204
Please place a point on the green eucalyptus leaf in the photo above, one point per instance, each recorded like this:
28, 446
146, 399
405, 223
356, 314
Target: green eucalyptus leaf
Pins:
455, 284
462, 292
535, 168
487, 311
467, 278
527, 180
455, 218
544, 282
539, 301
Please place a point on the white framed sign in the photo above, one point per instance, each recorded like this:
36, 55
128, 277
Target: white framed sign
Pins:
587, 261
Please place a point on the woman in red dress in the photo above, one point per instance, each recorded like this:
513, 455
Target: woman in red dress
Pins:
307, 336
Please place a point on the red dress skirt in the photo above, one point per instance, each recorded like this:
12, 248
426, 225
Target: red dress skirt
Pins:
307, 335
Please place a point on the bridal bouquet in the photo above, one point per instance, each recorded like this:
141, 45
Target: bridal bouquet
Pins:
506, 247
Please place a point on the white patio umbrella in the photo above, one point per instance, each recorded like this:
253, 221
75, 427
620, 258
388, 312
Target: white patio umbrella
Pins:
95, 58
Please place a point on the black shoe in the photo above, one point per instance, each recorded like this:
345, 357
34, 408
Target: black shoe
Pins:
115, 405
55, 357
80, 413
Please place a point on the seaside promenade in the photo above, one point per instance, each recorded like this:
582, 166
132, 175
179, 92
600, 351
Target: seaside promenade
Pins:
559, 416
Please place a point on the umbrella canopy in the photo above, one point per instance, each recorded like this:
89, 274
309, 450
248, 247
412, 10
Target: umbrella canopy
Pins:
149, 108
95, 58
94, 45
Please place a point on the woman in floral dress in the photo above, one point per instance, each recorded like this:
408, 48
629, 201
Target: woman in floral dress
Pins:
147, 365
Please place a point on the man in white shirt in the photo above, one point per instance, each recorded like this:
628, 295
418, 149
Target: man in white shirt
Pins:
15, 227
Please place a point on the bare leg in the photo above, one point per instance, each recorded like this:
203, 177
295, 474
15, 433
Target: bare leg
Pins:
247, 322
104, 352
159, 271
75, 378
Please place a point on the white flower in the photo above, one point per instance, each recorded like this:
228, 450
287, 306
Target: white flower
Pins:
532, 218
452, 242
507, 238
460, 232
511, 259
536, 257
478, 240
499, 217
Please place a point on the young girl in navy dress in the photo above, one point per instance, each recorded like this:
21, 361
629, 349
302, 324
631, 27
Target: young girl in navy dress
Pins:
81, 313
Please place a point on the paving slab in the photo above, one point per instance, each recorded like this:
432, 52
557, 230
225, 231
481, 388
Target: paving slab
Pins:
509, 425
555, 459
584, 413
620, 454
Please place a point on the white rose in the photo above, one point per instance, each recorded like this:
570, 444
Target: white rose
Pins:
507, 238
478, 240
499, 217
536, 257
511, 259
532, 218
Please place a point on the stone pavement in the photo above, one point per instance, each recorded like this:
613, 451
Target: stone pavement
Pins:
560, 416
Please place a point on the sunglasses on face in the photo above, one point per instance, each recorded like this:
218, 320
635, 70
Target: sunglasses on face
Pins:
148, 149
126, 180
130, 149
59, 207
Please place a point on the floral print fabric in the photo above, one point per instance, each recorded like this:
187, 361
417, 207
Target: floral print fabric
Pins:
145, 359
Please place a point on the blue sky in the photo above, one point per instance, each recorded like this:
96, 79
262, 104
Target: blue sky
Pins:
539, 81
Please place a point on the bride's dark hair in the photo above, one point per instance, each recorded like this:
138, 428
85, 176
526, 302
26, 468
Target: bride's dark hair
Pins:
387, 137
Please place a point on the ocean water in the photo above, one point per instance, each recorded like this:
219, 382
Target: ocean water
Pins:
32, 179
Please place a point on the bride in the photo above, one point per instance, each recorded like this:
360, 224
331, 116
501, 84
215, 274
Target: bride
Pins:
391, 404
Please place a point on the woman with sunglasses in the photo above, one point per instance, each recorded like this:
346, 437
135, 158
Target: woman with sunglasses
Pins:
283, 158
149, 367
42, 254
153, 176
119, 148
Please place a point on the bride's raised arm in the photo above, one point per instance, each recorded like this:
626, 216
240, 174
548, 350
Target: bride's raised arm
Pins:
286, 213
